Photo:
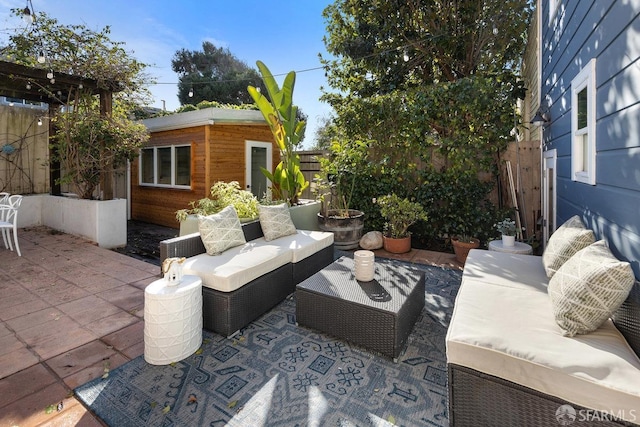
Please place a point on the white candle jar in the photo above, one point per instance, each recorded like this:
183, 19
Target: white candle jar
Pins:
365, 266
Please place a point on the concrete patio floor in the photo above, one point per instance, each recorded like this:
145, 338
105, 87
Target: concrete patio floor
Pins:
70, 312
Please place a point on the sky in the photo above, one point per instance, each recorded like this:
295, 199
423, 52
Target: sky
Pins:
285, 34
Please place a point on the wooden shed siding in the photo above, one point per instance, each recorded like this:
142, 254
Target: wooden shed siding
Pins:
605, 30
221, 147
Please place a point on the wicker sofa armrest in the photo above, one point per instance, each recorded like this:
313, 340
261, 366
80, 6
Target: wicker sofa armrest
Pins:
183, 246
627, 318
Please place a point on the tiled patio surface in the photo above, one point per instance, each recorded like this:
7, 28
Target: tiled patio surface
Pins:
71, 311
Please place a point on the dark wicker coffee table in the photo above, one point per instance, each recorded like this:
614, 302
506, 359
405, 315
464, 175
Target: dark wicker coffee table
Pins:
378, 315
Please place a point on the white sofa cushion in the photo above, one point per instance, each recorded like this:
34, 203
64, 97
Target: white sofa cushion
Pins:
237, 266
305, 243
589, 288
501, 330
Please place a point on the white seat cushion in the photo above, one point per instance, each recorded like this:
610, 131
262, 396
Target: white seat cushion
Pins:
509, 270
238, 266
510, 332
305, 243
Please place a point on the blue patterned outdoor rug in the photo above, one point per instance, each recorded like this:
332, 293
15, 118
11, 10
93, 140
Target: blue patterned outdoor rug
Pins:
275, 373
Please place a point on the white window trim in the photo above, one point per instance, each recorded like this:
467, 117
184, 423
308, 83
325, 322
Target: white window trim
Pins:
155, 168
586, 78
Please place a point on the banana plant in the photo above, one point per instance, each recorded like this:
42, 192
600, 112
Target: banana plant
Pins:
281, 116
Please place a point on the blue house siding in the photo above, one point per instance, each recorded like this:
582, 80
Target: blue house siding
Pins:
610, 32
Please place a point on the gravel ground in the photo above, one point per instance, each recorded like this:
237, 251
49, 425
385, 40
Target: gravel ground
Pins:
143, 240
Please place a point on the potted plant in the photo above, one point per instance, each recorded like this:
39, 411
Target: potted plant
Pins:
399, 215
507, 228
335, 214
222, 194
463, 242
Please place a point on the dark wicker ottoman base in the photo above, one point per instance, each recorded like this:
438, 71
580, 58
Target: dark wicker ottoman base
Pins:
333, 301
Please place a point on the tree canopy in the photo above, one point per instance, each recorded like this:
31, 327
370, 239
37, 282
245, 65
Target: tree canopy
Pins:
213, 74
430, 88
383, 46
87, 141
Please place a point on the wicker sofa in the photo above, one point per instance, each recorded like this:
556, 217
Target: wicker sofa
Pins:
509, 364
246, 281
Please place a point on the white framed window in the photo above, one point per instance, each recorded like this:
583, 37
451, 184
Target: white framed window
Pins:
166, 166
583, 125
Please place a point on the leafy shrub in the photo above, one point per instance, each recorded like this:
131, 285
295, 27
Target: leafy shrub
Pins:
222, 195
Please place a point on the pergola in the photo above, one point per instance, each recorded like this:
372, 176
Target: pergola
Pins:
32, 84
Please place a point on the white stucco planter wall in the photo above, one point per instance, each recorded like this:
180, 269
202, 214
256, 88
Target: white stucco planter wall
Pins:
101, 221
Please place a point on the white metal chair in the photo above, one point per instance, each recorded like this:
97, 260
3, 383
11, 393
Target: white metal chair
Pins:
9, 221
3, 201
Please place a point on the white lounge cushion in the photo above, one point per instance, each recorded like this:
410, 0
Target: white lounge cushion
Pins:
509, 270
237, 266
305, 243
501, 330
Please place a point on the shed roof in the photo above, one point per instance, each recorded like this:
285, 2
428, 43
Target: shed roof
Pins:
206, 116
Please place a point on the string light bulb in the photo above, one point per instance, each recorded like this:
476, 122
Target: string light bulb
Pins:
28, 86
191, 93
50, 74
39, 121
27, 15
41, 57
405, 57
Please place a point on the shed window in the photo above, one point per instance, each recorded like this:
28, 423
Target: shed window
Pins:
583, 125
168, 166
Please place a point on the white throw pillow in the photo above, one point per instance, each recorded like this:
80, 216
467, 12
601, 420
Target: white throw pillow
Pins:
221, 231
589, 288
568, 239
275, 221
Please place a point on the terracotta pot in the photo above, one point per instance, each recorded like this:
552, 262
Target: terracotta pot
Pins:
397, 246
462, 249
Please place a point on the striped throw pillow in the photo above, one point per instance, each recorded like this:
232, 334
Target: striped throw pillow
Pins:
588, 288
568, 239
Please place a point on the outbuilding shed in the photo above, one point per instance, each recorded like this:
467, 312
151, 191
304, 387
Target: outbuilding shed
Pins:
188, 152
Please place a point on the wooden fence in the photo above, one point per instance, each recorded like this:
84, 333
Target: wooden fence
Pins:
310, 166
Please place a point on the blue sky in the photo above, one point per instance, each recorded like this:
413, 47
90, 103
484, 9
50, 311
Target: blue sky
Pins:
285, 34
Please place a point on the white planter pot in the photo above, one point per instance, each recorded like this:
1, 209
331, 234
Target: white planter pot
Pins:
508, 241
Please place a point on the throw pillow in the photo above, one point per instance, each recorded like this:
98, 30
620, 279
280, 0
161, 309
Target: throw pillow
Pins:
221, 231
589, 288
276, 221
568, 239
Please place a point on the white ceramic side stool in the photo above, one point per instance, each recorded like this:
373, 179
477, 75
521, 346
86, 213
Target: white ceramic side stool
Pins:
172, 320
518, 248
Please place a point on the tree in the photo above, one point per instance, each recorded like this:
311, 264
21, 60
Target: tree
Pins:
213, 74
431, 87
325, 133
419, 78
86, 142
386, 46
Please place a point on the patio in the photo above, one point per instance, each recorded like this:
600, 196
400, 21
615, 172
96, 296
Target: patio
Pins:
70, 312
